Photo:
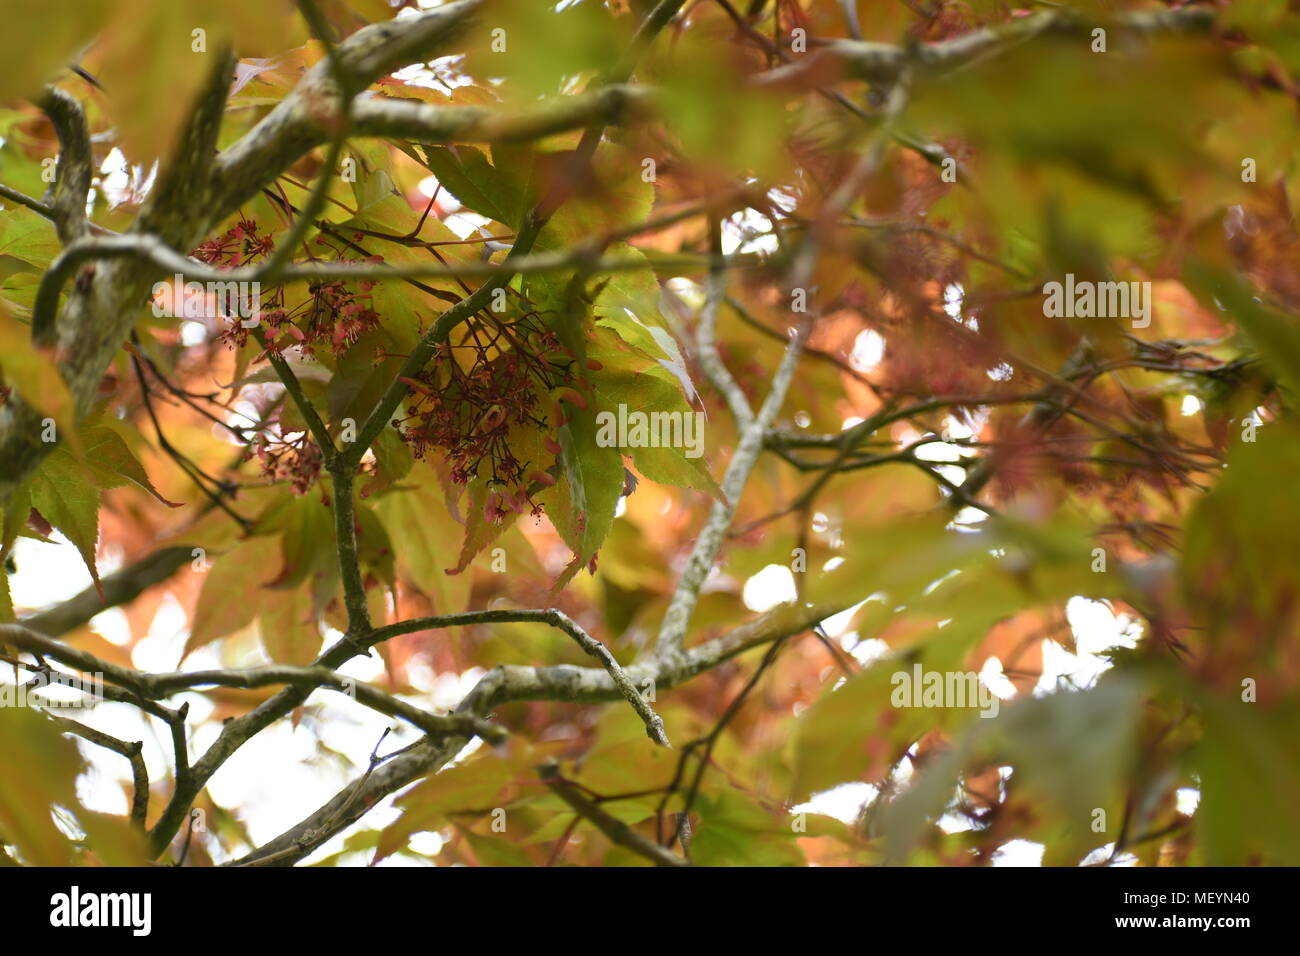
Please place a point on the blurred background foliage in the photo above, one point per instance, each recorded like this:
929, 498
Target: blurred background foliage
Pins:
1170, 450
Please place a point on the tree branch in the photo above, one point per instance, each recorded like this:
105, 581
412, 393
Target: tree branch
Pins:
554, 617
152, 252
238, 173
394, 118
67, 198
513, 683
294, 126
131, 751
706, 342
615, 830
22, 199
672, 630
195, 190
154, 686
345, 537
108, 301
883, 63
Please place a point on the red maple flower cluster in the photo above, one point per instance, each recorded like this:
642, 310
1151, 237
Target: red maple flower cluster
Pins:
237, 246
467, 407
242, 245
333, 318
502, 375
336, 316
296, 459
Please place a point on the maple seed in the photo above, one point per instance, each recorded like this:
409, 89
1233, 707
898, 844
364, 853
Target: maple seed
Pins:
551, 445
541, 478
594, 366
572, 396
492, 419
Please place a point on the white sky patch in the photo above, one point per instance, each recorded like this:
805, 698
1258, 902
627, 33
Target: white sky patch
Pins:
939, 451
782, 200
430, 844
472, 747
466, 224
122, 182
1019, 853
830, 533
428, 186
953, 294
868, 350
689, 291
867, 652
449, 689
161, 649
243, 414
193, 333
274, 771
443, 73
50, 692
115, 177
126, 722
112, 626
955, 823
1097, 629
1191, 405
904, 772
748, 231
995, 679
420, 675
1235, 221
966, 517
97, 789
957, 429
836, 624
772, 586
201, 707
363, 667
281, 773
1188, 799
1102, 854
842, 802
1001, 372
47, 573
